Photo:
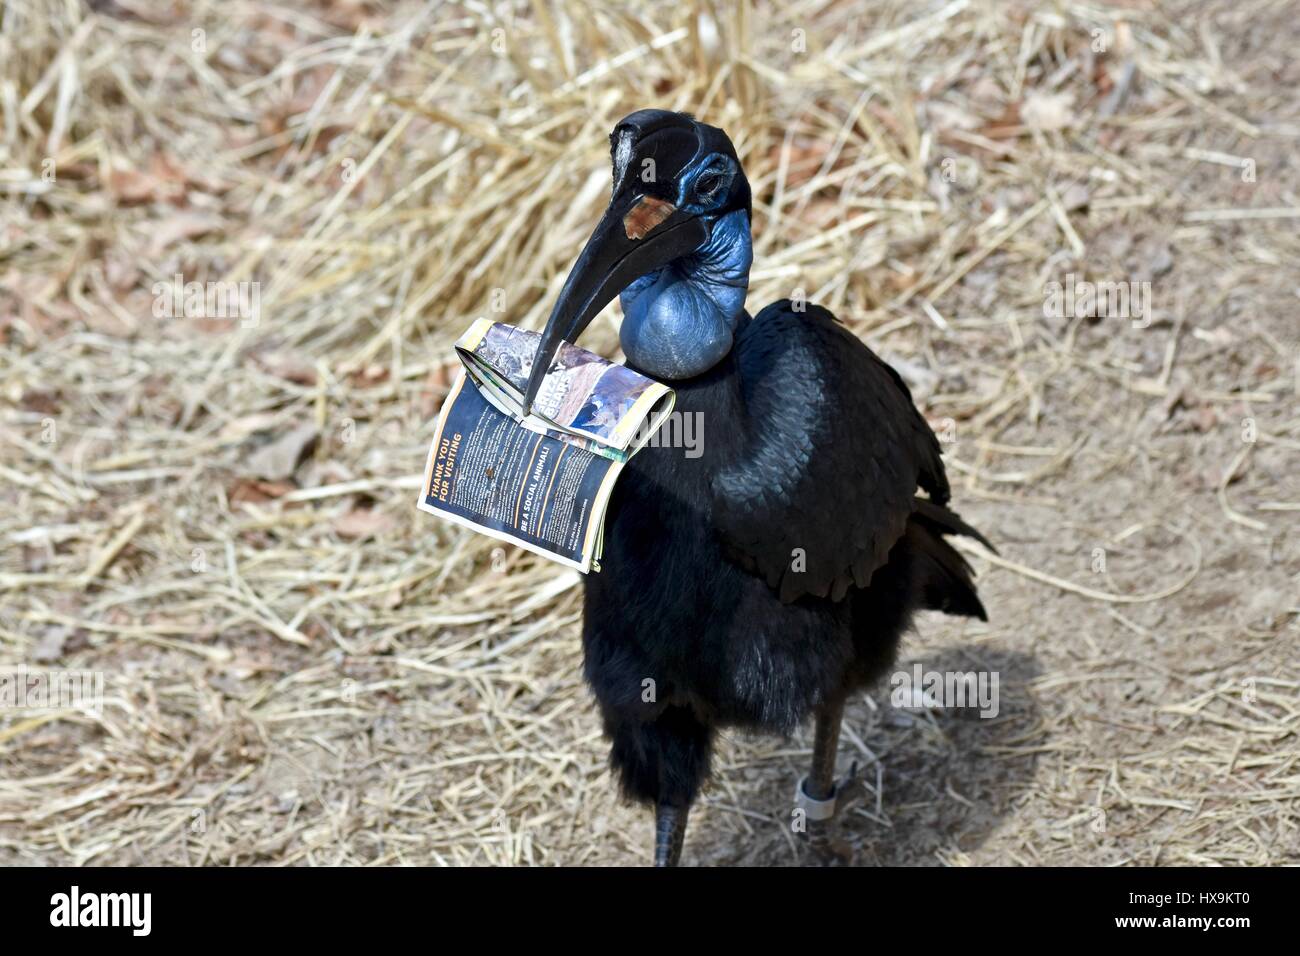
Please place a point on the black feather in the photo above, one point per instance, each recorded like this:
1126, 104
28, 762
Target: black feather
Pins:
747, 586
942, 521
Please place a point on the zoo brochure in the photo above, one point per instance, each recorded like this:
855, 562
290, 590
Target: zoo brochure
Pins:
543, 481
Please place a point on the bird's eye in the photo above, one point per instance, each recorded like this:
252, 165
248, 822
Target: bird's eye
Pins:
707, 185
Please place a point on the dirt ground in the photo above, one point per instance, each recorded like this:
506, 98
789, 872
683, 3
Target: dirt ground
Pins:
215, 513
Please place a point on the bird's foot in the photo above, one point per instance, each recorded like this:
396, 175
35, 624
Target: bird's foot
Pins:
828, 849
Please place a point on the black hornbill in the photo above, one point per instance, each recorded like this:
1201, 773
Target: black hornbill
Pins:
766, 578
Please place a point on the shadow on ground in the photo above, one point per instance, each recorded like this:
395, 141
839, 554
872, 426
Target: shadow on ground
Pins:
942, 783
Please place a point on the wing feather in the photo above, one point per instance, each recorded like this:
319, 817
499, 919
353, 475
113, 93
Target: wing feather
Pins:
833, 453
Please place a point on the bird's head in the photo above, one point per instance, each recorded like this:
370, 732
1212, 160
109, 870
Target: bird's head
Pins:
675, 242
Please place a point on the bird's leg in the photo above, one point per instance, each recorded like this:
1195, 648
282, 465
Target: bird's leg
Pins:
670, 833
820, 782
662, 763
818, 793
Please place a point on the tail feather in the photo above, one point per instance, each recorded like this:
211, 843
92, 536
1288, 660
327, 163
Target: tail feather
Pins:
942, 521
944, 579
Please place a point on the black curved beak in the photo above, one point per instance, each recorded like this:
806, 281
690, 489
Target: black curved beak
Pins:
637, 235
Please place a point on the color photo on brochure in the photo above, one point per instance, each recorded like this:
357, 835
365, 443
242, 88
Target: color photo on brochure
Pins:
585, 399
542, 482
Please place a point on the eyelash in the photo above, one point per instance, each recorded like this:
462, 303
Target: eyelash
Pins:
709, 177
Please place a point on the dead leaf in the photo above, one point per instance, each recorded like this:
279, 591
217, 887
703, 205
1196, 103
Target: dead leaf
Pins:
167, 232
805, 158
50, 646
362, 523
41, 402
237, 429
1076, 196
1205, 418
289, 367
369, 376
1004, 124
279, 459
252, 491
170, 175
163, 182
131, 186
434, 392
229, 685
